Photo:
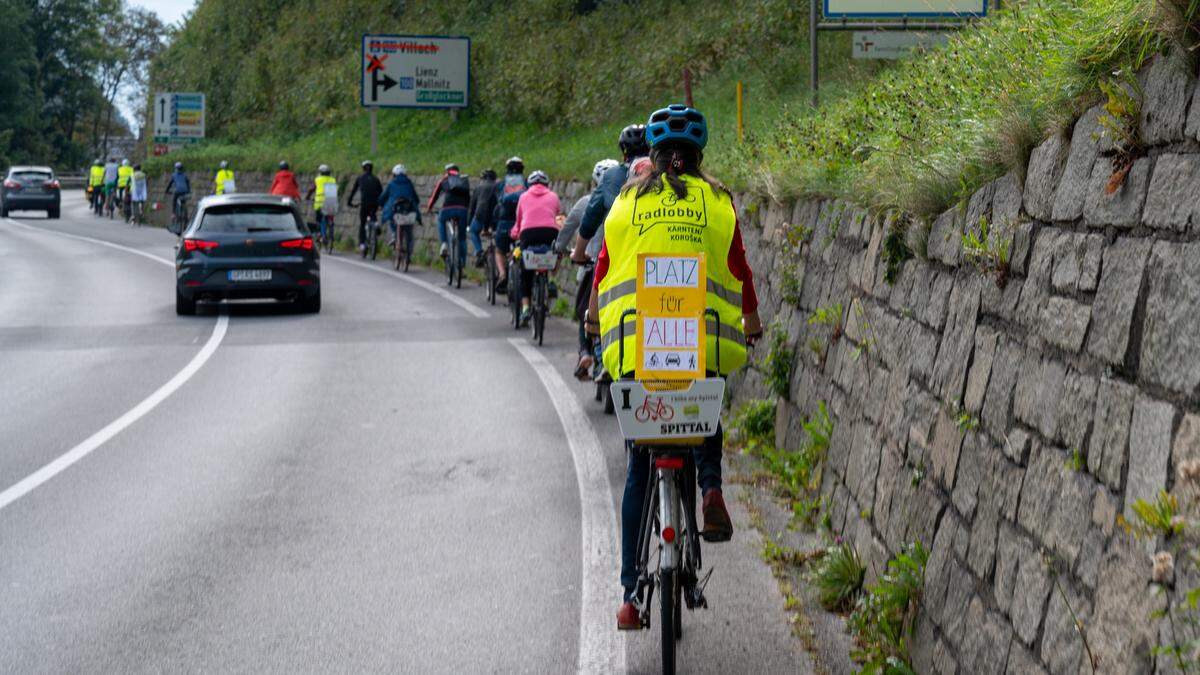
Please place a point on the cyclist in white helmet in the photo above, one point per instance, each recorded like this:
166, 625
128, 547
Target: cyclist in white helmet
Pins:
563, 245
400, 198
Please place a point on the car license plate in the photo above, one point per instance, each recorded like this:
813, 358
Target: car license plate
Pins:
249, 275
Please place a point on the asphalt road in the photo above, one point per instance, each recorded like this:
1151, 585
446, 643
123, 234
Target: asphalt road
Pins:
385, 486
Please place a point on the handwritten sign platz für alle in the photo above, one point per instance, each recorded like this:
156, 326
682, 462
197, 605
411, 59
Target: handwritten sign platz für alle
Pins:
670, 309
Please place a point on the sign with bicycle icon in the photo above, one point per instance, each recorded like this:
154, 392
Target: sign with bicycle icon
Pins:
653, 414
670, 397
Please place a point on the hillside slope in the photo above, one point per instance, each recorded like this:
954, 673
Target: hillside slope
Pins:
555, 84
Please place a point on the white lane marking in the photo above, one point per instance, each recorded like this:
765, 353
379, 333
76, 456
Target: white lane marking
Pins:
601, 647
90, 240
461, 302
35, 479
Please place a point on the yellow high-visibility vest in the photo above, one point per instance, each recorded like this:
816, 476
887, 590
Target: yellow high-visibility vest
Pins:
661, 223
96, 177
319, 193
223, 176
124, 173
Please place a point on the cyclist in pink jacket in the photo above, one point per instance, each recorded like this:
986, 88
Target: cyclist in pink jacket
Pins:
538, 223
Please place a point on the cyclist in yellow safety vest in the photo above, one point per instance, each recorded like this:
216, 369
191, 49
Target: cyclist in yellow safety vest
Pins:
673, 208
224, 182
323, 184
124, 173
95, 181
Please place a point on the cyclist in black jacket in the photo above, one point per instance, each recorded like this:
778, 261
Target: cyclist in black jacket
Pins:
368, 188
483, 200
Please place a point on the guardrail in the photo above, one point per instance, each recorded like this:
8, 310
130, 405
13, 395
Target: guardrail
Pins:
72, 180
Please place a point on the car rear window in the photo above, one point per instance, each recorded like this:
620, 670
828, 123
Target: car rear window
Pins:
249, 218
31, 176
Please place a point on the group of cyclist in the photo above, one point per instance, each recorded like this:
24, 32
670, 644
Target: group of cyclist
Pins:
604, 231
113, 187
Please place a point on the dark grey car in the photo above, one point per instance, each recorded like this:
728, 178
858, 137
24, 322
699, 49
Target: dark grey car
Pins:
30, 188
247, 246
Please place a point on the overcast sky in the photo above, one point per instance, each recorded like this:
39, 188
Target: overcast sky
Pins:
170, 11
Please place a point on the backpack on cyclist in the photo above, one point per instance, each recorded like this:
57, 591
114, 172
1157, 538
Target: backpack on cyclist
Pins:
514, 187
405, 212
457, 185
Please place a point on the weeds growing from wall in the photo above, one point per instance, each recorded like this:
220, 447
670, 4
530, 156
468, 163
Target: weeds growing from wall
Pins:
885, 616
777, 367
838, 577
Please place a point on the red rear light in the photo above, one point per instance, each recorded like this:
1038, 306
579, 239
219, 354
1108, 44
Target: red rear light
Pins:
668, 534
199, 245
668, 463
305, 243
12, 184
52, 184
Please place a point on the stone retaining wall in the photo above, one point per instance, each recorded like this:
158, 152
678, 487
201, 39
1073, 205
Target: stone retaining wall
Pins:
1008, 428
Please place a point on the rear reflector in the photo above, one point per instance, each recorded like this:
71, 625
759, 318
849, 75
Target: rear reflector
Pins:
305, 243
192, 283
668, 463
199, 245
668, 534
305, 282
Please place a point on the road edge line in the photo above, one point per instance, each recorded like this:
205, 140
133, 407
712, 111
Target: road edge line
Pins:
65, 460
119, 247
601, 646
461, 302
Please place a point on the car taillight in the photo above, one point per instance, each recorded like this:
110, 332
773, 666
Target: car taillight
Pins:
52, 184
12, 184
198, 245
305, 243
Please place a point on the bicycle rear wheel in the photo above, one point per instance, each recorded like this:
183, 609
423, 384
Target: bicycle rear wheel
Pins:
539, 309
668, 598
491, 275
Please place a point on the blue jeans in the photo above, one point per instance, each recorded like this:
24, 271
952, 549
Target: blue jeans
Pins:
459, 212
476, 228
637, 481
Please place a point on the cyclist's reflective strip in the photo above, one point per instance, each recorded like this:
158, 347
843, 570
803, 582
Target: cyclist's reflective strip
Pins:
727, 333
617, 292
630, 287
732, 297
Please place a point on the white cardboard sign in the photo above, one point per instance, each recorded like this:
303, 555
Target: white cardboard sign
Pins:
691, 412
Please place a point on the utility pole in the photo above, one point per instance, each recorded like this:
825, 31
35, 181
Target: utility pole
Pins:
814, 73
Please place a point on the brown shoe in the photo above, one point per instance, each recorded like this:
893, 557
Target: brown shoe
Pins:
627, 617
718, 526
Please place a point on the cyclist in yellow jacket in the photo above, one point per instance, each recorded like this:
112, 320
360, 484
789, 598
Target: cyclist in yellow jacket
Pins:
95, 183
673, 208
224, 182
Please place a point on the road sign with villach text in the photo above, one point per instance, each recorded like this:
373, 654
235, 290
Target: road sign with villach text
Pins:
416, 71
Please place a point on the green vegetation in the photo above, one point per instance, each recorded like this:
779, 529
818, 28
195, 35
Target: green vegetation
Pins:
755, 422
919, 137
1159, 517
558, 99
563, 308
930, 131
885, 616
795, 474
65, 63
987, 250
777, 366
838, 577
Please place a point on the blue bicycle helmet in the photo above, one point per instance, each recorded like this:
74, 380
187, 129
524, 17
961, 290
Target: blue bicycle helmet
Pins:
677, 122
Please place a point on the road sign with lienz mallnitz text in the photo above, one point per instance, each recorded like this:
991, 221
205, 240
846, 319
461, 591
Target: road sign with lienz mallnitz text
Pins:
416, 71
